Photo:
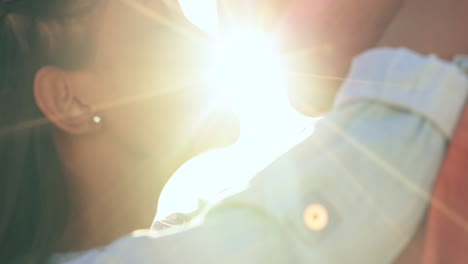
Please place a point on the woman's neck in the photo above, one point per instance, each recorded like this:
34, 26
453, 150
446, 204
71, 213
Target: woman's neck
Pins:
112, 195
97, 219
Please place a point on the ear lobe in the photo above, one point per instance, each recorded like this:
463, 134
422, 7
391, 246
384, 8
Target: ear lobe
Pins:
55, 97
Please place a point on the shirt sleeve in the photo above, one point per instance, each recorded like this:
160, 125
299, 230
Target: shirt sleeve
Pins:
354, 191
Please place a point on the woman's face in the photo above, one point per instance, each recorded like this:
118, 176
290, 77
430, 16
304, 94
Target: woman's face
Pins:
149, 70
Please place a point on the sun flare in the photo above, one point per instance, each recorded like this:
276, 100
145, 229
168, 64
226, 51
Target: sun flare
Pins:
248, 75
202, 13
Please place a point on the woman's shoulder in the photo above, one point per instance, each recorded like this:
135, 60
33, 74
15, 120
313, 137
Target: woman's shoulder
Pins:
134, 248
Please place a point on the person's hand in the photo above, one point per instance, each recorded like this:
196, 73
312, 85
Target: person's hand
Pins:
319, 39
430, 27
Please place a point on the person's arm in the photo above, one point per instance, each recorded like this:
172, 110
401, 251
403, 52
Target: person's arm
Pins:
318, 39
371, 162
430, 27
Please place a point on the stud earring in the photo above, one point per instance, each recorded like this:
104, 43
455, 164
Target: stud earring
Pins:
97, 119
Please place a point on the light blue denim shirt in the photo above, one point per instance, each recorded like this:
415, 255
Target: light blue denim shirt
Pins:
353, 191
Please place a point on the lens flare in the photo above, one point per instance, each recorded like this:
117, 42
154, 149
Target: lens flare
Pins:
248, 74
202, 13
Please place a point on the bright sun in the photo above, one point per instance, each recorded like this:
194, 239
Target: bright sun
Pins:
247, 71
202, 13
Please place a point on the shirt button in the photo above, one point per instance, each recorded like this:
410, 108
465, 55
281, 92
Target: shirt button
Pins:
315, 217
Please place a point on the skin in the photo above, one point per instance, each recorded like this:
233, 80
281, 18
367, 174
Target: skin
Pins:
430, 27
144, 82
320, 39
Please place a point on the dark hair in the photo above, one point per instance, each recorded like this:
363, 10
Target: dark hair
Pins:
33, 192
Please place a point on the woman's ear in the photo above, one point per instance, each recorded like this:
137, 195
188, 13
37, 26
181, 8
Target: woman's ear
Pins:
55, 95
